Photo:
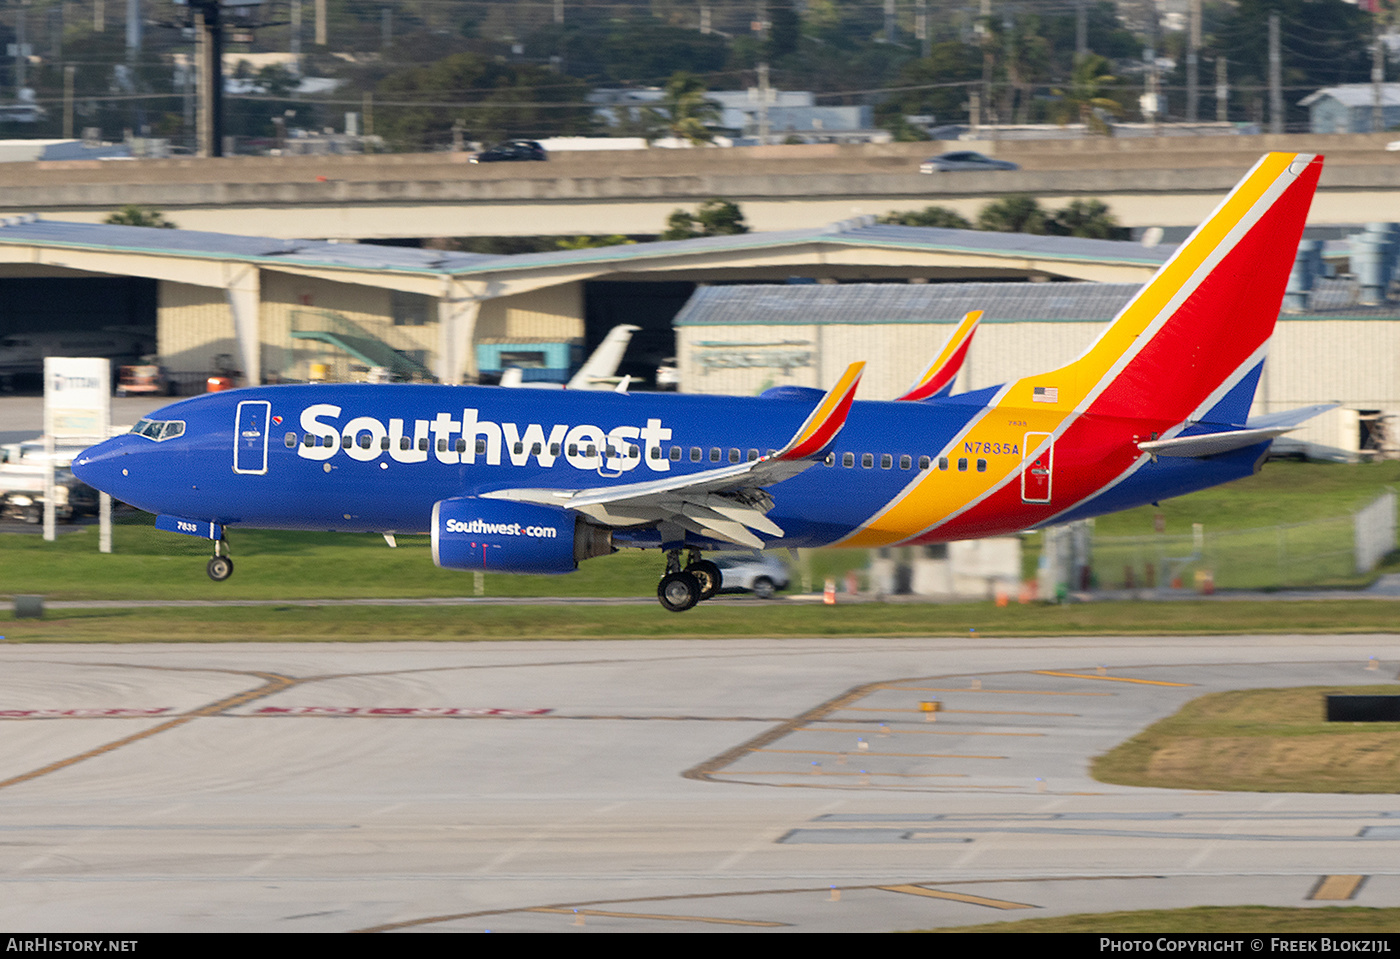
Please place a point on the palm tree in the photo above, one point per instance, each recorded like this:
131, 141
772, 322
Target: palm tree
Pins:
1084, 100
688, 109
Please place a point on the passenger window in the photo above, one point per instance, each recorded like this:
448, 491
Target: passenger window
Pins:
347, 441
308, 440
867, 460
553, 449
442, 445
423, 444
590, 450
734, 456
981, 466
461, 446
943, 462
634, 452
905, 462
480, 447
714, 454
830, 459
886, 461
364, 440
573, 449
535, 448
675, 454
924, 462
291, 441
695, 454
405, 443
328, 441
655, 452
962, 465
848, 460
383, 442
753, 455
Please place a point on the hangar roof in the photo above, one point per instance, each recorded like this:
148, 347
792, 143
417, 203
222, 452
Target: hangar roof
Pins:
866, 303
863, 232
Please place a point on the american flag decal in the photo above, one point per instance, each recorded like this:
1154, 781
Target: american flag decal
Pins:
1046, 394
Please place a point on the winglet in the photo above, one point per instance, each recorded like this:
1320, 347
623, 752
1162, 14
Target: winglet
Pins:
938, 379
826, 420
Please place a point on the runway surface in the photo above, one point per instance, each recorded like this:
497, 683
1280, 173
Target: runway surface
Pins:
642, 786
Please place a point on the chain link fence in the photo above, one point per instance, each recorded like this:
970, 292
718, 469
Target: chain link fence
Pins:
1336, 551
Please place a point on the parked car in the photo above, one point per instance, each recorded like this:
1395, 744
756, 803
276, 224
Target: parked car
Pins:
511, 150
964, 160
757, 573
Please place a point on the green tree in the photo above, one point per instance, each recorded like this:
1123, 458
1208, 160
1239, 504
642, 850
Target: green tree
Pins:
1087, 218
1014, 214
493, 100
1084, 100
939, 216
715, 217
592, 242
689, 112
133, 215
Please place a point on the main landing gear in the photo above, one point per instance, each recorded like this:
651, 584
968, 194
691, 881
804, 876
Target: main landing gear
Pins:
220, 567
681, 589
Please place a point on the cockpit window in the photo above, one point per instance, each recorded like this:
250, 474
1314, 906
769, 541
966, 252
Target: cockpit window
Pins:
159, 430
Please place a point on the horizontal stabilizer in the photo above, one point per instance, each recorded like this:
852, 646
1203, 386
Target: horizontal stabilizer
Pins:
1258, 430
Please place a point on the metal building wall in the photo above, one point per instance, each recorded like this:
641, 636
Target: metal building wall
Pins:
193, 325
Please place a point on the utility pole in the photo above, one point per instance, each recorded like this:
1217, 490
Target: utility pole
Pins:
921, 30
1081, 29
1193, 50
21, 51
68, 72
761, 27
295, 45
209, 72
1275, 78
133, 30
1377, 78
1222, 89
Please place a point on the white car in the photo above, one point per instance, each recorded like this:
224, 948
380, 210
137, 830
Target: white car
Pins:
757, 573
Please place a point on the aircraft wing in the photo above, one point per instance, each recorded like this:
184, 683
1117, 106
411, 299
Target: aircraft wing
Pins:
727, 503
938, 379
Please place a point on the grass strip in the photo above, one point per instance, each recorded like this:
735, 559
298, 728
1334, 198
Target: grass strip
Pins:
1261, 740
742, 619
1208, 919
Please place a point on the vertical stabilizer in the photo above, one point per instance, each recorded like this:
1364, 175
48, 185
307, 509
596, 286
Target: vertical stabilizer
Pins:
1203, 322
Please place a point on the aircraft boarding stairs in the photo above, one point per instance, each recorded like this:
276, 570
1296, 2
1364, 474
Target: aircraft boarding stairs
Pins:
331, 328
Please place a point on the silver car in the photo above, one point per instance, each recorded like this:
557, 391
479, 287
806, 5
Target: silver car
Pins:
757, 573
964, 160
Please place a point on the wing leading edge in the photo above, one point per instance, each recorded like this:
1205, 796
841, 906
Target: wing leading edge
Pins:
728, 503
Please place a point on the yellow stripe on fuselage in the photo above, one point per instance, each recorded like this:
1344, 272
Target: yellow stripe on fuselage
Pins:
937, 495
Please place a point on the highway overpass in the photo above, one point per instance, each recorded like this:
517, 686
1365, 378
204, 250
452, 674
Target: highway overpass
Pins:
1166, 181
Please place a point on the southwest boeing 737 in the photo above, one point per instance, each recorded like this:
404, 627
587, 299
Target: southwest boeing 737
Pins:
528, 481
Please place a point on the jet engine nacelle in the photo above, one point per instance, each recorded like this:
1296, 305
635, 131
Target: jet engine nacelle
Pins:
503, 537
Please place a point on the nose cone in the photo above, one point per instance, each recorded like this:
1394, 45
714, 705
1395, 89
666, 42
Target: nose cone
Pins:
106, 466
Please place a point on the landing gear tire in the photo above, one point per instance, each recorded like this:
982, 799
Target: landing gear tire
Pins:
220, 568
678, 591
708, 575
763, 588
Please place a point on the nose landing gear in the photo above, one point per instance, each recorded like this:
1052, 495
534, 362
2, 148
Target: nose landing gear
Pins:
220, 567
680, 589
